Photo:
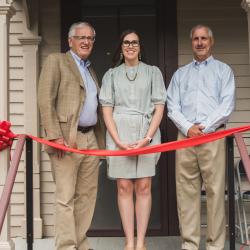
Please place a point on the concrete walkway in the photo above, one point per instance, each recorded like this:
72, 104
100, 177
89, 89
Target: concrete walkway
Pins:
116, 243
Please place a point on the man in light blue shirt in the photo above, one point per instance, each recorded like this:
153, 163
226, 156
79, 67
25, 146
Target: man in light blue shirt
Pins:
200, 99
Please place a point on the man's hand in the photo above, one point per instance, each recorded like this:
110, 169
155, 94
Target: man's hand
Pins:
195, 130
60, 141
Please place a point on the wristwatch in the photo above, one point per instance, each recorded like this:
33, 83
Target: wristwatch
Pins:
149, 139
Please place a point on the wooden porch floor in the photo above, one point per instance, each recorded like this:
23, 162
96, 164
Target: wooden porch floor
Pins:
116, 243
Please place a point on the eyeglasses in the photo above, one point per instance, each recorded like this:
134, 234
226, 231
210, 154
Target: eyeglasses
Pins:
84, 38
134, 43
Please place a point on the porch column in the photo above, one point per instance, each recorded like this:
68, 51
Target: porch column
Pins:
30, 45
246, 6
6, 12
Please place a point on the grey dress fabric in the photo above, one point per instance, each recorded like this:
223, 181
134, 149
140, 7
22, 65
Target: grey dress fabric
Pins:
133, 106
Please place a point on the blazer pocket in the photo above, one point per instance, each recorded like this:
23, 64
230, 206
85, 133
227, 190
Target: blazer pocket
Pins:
65, 127
62, 118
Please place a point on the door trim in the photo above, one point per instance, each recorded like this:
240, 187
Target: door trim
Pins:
168, 63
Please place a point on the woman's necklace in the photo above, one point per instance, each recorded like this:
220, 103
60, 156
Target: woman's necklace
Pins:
131, 79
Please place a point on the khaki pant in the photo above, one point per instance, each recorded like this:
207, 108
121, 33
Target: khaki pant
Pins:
76, 179
204, 163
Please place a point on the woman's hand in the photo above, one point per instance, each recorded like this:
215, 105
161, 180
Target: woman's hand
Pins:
140, 143
123, 146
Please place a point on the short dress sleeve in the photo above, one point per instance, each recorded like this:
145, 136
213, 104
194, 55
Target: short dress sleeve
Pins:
106, 96
158, 93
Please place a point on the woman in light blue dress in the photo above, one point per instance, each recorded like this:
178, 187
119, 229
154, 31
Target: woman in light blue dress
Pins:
132, 96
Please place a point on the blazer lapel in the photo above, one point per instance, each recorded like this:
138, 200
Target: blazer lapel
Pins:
73, 67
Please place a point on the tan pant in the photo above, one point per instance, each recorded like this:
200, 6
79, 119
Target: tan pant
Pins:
204, 163
76, 179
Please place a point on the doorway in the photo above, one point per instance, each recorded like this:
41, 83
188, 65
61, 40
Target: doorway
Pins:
110, 18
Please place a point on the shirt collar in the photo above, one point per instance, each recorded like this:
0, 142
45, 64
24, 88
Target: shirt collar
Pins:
205, 62
84, 63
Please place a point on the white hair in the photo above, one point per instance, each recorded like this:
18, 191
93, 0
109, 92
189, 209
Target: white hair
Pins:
75, 26
199, 26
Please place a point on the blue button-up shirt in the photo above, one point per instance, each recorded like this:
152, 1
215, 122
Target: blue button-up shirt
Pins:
88, 116
201, 93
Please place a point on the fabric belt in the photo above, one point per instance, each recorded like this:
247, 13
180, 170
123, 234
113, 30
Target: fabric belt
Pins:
84, 129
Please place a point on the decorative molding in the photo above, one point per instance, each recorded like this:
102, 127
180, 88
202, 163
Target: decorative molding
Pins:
7, 9
27, 13
35, 40
30, 44
6, 12
245, 4
6, 2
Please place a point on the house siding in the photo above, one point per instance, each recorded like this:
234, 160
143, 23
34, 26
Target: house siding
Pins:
16, 109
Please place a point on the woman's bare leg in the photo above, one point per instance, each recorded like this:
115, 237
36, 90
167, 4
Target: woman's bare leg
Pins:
142, 208
125, 188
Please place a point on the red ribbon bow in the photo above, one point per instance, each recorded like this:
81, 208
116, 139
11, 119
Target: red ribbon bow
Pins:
6, 136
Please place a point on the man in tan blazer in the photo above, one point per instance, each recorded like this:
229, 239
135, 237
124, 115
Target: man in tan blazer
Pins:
68, 103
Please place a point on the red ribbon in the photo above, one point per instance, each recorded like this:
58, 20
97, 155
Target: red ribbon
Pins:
169, 146
6, 138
